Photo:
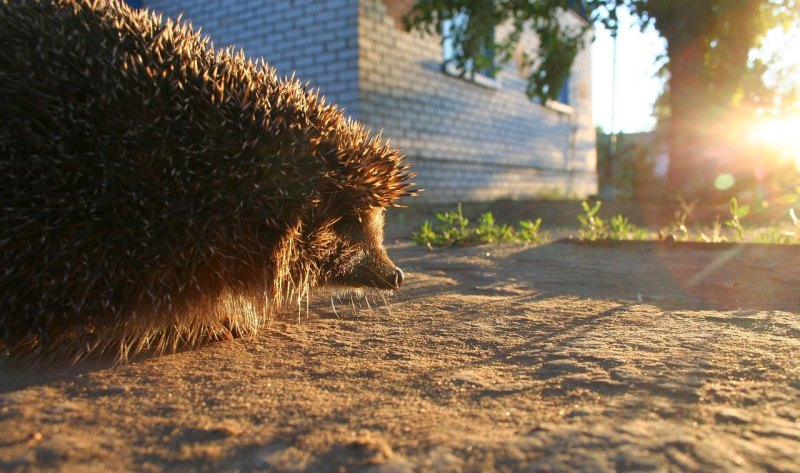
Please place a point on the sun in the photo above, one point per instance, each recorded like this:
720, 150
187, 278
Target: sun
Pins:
781, 135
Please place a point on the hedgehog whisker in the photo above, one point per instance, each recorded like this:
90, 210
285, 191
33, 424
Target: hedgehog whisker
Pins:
385, 302
334, 309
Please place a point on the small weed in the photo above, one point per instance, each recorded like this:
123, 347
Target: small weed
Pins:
426, 235
489, 232
794, 233
715, 236
617, 227
779, 235
454, 230
529, 232
455, 227
677, 229
737, 213
592, 227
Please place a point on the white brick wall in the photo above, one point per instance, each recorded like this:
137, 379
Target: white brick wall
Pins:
465, 142
314, 38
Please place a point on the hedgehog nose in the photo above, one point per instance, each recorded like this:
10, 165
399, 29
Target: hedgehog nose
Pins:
398, 277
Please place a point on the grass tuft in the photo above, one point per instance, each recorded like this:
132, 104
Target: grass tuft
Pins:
455, 230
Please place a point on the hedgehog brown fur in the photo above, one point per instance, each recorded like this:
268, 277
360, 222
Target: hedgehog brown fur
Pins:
157, 192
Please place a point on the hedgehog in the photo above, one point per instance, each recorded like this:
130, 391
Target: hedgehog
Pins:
158, 192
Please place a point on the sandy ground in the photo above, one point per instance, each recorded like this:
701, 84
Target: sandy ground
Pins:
561, 357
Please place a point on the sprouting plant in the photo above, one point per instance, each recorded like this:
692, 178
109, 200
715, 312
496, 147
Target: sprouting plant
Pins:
489, 232
426, 236
529, 231
778, 234
592, 227
715, 233
677, 228
737, 213
793, 235
454, 230
455, 227
619, 228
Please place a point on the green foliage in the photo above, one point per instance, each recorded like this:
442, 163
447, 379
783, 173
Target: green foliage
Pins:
592, 227
489, 232
778, 234
529, 231
426, 235
725, 30
454, 230
549, 66
618, 227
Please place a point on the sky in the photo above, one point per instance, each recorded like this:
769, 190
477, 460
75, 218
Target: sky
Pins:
637, 86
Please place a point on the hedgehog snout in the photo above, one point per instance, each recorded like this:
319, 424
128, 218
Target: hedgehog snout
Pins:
372, 269
381, 274
398, 277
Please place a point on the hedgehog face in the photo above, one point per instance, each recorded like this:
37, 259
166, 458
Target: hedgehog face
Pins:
361, 259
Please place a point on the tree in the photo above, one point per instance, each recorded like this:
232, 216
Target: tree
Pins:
708, 45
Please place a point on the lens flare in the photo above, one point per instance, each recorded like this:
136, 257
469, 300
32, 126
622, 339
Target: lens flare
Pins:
724, 182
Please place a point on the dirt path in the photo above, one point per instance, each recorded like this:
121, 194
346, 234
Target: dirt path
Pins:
558, 358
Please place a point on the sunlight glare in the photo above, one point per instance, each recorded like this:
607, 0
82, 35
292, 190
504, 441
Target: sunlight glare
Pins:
781, 135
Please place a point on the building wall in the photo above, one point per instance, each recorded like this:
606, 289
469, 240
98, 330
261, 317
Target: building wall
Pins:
467, 141
316, 39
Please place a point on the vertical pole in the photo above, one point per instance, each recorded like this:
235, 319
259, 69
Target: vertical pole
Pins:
607, 193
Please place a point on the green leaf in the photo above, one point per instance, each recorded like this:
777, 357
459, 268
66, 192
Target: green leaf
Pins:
743, 211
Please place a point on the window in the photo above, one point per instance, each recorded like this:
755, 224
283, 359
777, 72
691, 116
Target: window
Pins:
561, 103
563, 94
455, 27
579, 7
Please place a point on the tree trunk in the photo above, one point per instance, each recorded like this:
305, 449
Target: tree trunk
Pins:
688, 173
703, 82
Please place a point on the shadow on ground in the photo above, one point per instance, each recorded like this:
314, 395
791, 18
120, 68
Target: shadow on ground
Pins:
668, 275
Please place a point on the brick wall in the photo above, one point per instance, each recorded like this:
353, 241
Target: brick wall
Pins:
467, 141
314, 38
